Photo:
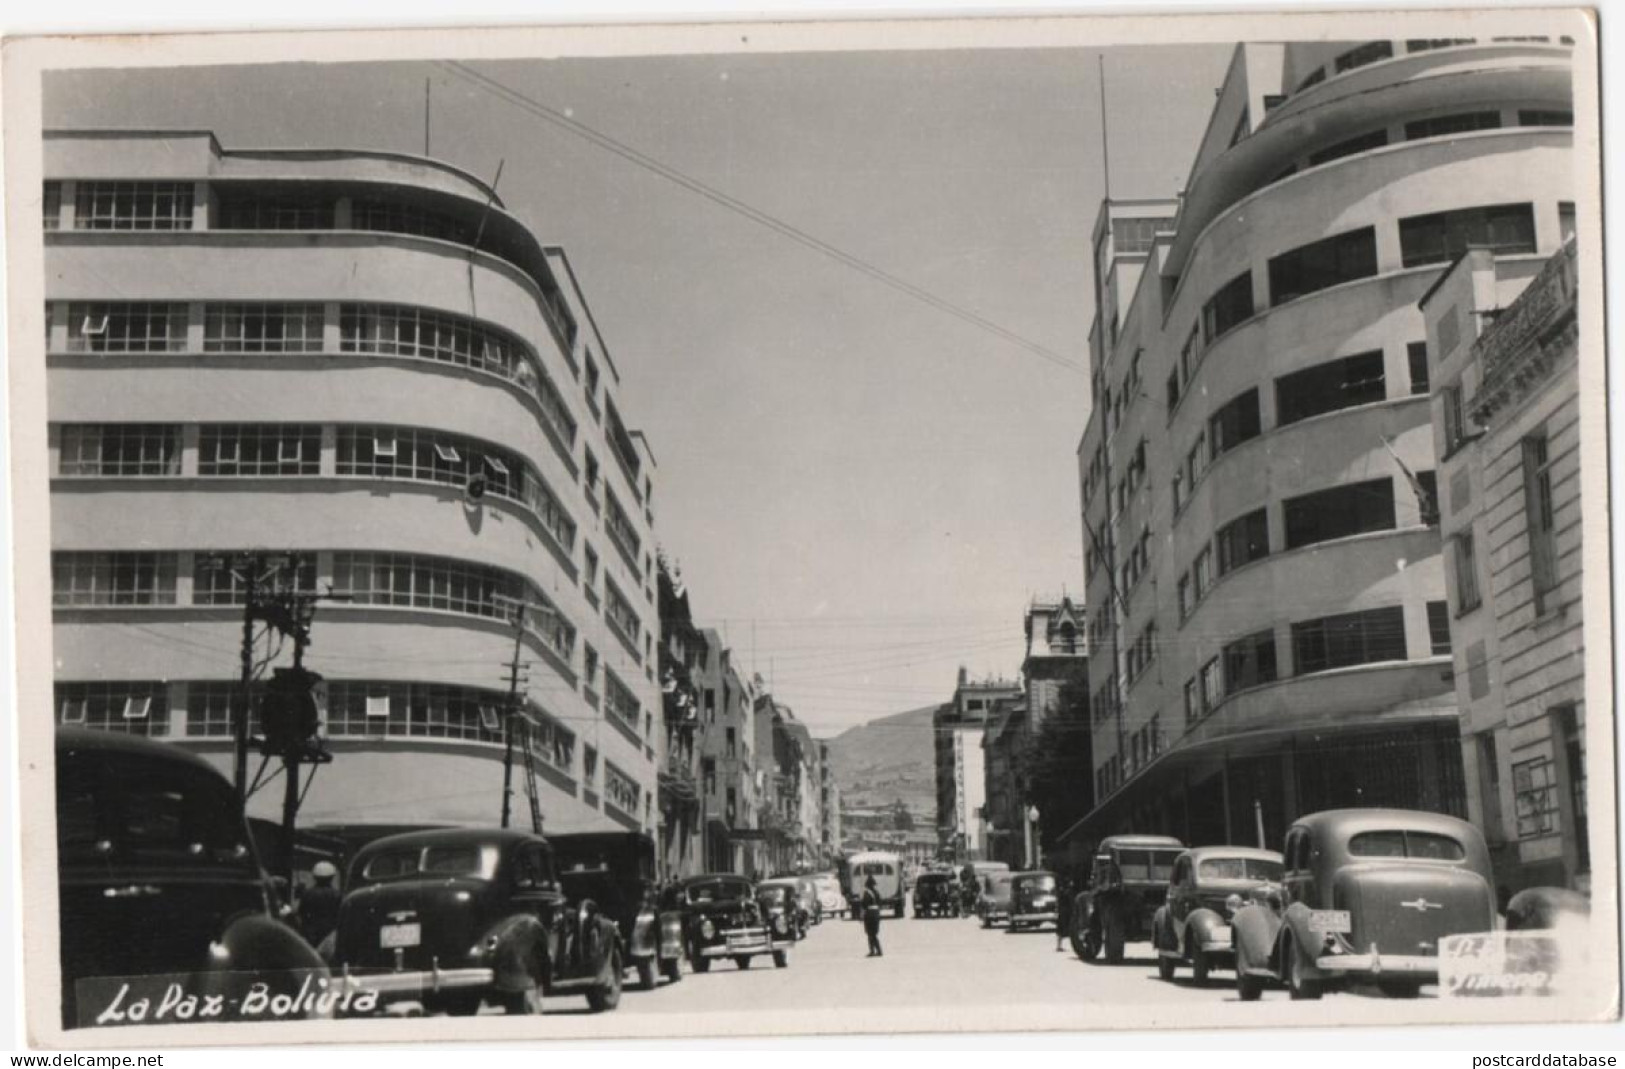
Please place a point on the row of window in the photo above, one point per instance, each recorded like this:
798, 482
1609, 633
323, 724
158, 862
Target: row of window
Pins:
1376, 51
1449, 125
1144, 745
268, 327
1540, 525
622, 791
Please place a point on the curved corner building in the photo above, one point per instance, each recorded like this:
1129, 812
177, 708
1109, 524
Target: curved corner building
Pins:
1268, 618
319, 352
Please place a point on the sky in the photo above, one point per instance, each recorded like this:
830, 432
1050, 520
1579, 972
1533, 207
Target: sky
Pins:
863, 492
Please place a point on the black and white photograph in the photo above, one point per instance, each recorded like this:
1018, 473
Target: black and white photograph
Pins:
778, 529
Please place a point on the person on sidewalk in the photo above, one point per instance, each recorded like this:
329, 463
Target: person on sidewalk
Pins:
871, 916
1063, 911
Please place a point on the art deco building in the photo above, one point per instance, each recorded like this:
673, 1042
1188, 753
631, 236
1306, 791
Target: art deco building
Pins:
1269, 633
321, 352
958, 728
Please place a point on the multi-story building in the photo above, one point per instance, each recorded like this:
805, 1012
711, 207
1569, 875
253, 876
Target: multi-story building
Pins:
1004, 812
730, 772
364, 358
684, 657
1268, 626
1057, 653
957, 728
829, 808
1506, 399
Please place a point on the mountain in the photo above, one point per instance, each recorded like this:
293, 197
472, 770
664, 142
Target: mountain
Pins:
889, 759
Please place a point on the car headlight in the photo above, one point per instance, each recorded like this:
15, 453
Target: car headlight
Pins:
779, 925
1232, 904
707, 929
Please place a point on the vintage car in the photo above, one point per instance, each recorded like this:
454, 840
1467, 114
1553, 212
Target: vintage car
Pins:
722, 918
454, 918
157, 877
886, 870
1367, 894
936, 894
993, 903
831, 902
1208, 885
781, 899
616, 870
970, 882
1128, 882
1032, 900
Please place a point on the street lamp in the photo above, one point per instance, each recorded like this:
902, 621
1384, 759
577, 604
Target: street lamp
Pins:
1027, 827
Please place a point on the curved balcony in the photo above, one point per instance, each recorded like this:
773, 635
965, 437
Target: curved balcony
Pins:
1343, 106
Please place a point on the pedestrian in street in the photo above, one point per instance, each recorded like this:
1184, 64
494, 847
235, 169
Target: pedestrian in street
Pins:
1063, 911
871, 917
319, 904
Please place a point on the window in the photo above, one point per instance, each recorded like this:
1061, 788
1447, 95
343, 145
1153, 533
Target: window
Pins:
1179, 488
1249, 662
1339, 512
1443, 236
1457, 432
126, 327
1136, 234
1544, 117
1539, 519
589, 667
621, 790
120, 449
1193, 702
1426, 489
216, 582
1314, 77
1202, 572
394, 217
1565, 219
1566, 728
1446, 125
1190, 354
1428, 44
259, 449
1236, 422
117, 578
133, 206
359, 708
1243, 541
622, 532
1196, 459
51, 206
1351, 147
1439, 628
1173, 390
1212, 682
590, 382
1349, 639
404, 330
623, 619
239, 210
1416, 353
210, 705
1328, 262
620, 702
1341, 383
1232, 305
1183, 588
131, 707
262, 328
1415, 844
1466, 563
1371, 52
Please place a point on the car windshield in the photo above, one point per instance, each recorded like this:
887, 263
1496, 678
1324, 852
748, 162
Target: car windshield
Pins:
1239, 868
1038, 884
875, 868
717, 891
1155, 865
1426, 846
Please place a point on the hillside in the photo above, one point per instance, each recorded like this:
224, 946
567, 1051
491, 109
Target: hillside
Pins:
884, 760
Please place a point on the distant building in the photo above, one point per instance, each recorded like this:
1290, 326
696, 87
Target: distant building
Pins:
1503, 343
732, 778
1057, 653
829, 808
1005, 810
961, 775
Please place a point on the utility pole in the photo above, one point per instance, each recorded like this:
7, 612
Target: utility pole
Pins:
245, 695
514, 667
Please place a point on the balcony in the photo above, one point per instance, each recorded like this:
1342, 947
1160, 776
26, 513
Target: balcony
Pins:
1527, 337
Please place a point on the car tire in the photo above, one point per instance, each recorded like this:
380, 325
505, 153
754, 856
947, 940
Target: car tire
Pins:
1166, 966
1299, 986
525, 1003
1088, 946
454, 1004
1114, 941
647, 981
986, 922
781, 960
672, 970
1200, 966
1249, 988
897, 911
701, 964
607, 995
1399, 988
742, 961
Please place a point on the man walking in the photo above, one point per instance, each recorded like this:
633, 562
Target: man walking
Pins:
871, 916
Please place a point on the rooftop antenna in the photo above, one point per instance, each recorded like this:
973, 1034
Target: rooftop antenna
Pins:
1105, 145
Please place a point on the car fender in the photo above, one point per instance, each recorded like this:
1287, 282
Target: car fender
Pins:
256, 942
645, 936
1200, 926
671, 935
516, 950
1295, 923
1162, 933
1253, 931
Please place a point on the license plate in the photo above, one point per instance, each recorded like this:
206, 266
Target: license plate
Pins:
400, 935
1330, 920
742, 941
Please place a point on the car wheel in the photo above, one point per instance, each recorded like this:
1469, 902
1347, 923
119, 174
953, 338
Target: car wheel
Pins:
1300, 986
1399, 988
897, 911
986, 922
1249, 988
607, 995
701, 964
1165, 966
1199, 966
672, 970
1114, 940
454, 1004
522, 1003
1088, 947
781, 960
742, 960
647, 980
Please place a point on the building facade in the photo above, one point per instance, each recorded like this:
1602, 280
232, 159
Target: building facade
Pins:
731, 779
1506, 397
364, 359
957, 729
1269, 632
1057, 652
1005, 809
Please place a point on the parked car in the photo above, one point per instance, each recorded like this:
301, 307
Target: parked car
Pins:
616, 870
1128, 882
1367, 894
887, 870
157, 873
831, 902
457, 917
970, 882
1032, 900
993, 904
781, 898
1208, 885
723, 919
936, 894
807, 896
